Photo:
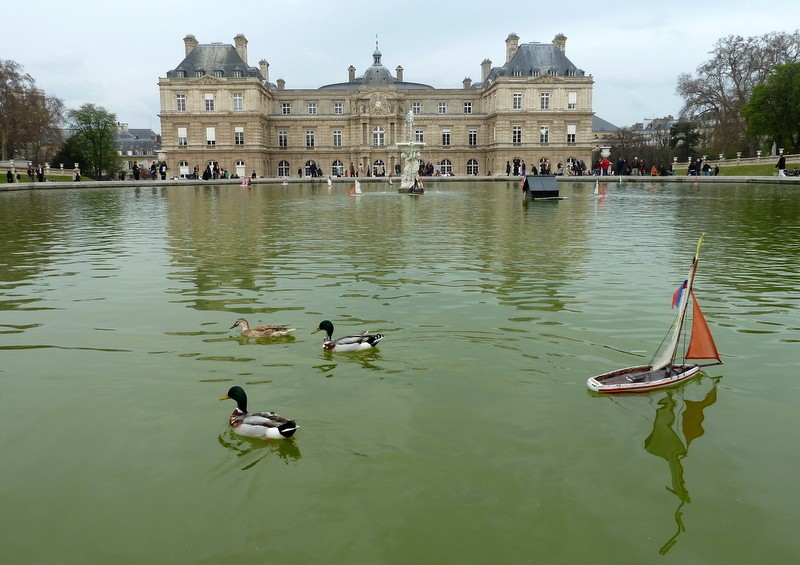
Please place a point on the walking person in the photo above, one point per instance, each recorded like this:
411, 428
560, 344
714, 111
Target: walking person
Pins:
781, 166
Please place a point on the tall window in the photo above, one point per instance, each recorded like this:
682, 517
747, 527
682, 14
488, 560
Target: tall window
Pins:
283, 169
183, 169
240, 168
378, 136
416, 107
472, 167
238, 102
312, 108
544, 100
180, 102
286, 108
419, 136
309, 138
516, 135
337, 138
446, 167
338, 108
238, 135
337, 168
209, 102
183, 139
446, 137
544, 134
572, 100
517, 104
211, 136
473, 137
283, 138
571, 133
442, 107
467, 107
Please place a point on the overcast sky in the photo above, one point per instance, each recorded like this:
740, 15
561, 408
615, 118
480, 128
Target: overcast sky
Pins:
112, 53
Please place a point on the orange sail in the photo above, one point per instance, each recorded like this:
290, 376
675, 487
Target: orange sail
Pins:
701, 344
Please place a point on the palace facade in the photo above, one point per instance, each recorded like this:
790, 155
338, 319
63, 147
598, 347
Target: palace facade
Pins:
218, 109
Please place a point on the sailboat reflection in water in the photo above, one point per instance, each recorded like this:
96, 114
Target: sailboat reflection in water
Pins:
678, 422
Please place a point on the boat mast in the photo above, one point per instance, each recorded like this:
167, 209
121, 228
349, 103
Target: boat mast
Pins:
666, 356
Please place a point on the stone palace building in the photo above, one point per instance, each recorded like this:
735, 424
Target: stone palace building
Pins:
218, 109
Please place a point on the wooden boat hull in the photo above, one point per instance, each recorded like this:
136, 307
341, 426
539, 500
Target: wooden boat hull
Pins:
641, 378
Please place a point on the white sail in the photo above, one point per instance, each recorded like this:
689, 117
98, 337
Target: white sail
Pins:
666, 355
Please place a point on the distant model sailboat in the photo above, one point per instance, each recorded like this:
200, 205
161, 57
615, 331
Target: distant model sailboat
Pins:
356, 188
663, 370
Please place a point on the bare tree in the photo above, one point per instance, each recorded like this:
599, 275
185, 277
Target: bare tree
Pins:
715, 96
30, 121
13, 86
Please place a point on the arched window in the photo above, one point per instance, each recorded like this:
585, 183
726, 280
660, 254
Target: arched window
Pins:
337, 168
378, 168
183, 169
446, 167
283, 169
472, 167
240, 169
378, 136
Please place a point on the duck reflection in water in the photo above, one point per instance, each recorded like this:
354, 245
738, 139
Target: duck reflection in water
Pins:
254, 451
678, 417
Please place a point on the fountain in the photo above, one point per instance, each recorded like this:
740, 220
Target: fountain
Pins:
410, 153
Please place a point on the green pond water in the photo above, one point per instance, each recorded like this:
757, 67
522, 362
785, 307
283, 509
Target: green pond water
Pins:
468, 436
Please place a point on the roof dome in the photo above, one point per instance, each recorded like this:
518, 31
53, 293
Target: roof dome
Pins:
377, 74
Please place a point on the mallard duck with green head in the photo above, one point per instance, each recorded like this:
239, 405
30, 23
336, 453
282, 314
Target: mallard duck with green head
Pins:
261, 425
262, 331
348, 343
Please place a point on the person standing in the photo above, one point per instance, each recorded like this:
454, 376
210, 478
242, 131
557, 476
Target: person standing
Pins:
781, 166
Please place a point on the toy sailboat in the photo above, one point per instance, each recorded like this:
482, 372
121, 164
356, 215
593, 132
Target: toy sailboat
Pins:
663, 369
356, 189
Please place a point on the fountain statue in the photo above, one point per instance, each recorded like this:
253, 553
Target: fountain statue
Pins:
410, 153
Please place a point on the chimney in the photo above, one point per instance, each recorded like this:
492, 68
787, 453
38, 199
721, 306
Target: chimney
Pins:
263, 66
281, 84
512, 43
351, 73
486, 66
560, 41
241, 46
467, 82
190, 42
399, 73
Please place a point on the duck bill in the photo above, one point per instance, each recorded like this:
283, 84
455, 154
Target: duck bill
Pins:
316, 330
225, 397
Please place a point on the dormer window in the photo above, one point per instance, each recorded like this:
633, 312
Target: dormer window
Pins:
517, 73
180, 74
570, 73
218, 74
237, 73
199, 73
535, 72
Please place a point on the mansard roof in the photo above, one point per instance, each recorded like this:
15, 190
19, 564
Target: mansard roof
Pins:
536, 59
210, 57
